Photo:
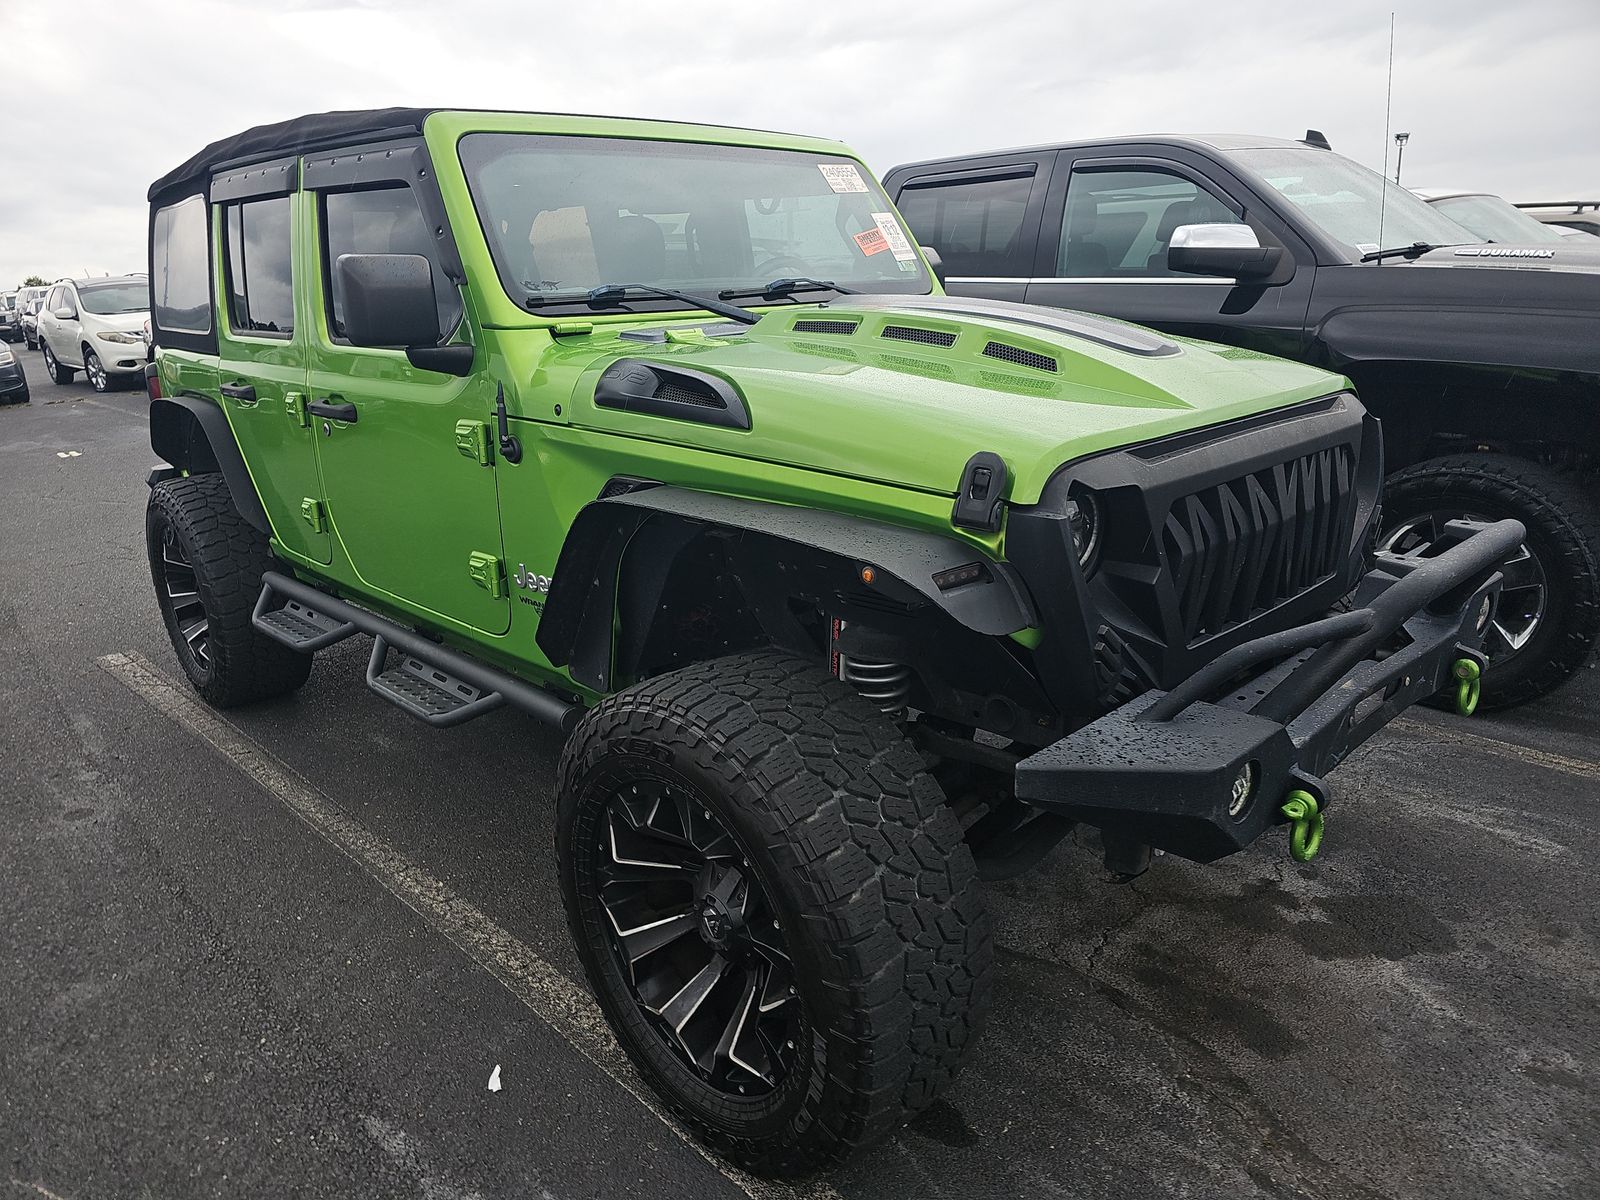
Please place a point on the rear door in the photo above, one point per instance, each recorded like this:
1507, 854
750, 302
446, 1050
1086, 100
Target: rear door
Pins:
261, 349
418, 517
983, 219
1103, 244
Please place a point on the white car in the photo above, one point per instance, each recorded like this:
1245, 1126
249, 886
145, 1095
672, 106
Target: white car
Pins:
95, 326
29, 301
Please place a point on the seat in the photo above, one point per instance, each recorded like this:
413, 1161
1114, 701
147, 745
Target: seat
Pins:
634, 252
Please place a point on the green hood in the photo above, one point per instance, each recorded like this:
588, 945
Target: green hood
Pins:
905, 389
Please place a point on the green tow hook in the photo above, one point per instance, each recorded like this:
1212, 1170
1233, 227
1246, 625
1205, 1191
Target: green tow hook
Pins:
1469, 685
1305, 825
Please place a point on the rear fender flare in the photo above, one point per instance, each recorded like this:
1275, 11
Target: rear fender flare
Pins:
193, 434
648, 528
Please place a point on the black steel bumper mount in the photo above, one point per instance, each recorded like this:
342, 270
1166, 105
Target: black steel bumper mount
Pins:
1204, 769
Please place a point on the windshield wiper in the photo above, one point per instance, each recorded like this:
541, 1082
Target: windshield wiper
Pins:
1414, 250
609, 294
778, 289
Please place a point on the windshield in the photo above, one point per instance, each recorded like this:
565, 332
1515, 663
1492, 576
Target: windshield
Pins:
1351, 203
1496, 220
564, 215
109, 299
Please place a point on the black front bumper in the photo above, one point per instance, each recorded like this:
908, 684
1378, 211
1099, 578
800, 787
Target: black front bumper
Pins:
1168, 769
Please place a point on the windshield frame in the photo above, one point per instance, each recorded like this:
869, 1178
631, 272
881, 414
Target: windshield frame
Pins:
1243, 160
919, 282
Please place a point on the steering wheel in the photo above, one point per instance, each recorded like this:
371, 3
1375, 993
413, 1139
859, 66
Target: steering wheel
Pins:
782, 263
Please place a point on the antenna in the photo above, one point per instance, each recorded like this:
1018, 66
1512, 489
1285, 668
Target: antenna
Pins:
1388, 103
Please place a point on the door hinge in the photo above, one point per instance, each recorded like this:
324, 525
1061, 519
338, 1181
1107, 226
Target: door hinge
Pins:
472, 439
294, 403
315, 514
488, 572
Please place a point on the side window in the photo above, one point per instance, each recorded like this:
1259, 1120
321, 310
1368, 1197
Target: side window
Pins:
1118, 223
179, 251
974, 224
257, 263
380, 221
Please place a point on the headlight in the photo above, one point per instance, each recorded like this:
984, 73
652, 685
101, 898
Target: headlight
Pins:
6, 357
116, 335
1083, 516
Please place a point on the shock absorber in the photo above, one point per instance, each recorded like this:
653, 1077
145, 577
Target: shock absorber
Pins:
884, 684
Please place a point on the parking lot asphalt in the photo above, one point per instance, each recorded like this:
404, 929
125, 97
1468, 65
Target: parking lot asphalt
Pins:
279, 951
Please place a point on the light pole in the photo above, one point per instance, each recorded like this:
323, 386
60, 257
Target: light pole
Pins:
1400, 140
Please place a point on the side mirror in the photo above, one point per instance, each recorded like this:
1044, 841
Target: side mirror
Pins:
388, 300
934, 261
1229, 251
63, 313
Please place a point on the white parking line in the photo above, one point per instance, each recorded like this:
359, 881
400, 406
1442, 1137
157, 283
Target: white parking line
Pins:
559, 1002
1581, 767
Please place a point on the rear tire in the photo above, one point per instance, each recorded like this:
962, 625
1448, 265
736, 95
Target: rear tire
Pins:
1549, 619
206, 562
846, 854
58, 373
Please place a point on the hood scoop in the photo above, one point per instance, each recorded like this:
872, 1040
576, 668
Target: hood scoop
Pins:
679, 393
1127, 338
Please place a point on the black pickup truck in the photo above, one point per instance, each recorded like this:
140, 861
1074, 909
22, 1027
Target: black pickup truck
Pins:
1483, 360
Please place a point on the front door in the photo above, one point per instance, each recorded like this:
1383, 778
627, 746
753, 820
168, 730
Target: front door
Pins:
418, 517
1103, 249
262, 365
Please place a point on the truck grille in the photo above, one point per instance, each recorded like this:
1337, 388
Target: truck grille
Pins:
1244, 546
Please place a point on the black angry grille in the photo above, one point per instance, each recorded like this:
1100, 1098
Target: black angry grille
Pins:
1244, 546
923, 337
1019, 357
814, 326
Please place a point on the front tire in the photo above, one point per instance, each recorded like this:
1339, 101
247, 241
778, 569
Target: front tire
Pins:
96, 371
206, 562
1549, 617
774, 906
58, 373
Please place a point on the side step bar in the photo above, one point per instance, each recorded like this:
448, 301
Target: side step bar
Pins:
433, 683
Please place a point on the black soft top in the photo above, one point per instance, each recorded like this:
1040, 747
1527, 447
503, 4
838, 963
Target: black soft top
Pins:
284, 138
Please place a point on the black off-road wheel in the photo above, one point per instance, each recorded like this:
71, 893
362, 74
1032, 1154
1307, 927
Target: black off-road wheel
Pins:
206, 562
774, 905
58, 373
1549, 616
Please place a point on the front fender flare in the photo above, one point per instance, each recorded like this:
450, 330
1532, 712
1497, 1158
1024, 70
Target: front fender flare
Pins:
577, 624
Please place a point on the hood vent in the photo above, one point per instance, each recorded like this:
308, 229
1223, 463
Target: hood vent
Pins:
924, 337
814, 326
1018, 357
635, 385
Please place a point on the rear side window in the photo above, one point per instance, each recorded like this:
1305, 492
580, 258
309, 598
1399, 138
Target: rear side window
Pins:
257, 263
976, 225
181, 282
380, 221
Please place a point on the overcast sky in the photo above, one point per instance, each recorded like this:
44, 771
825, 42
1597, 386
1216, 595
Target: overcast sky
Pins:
1496, 96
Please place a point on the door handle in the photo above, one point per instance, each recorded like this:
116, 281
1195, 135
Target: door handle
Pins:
333, 408
244, 393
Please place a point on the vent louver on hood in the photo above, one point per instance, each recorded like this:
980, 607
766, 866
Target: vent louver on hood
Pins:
806, 325
1017, 356
633, 385
924, 337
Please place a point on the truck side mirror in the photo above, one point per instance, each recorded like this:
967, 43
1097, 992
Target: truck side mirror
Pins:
388, 300
1229, 251
935, 263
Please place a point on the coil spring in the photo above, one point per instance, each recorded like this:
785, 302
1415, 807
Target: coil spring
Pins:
885, 684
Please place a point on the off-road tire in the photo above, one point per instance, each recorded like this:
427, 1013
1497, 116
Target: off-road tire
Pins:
58, 373
227, 556
865, 863
1563, 526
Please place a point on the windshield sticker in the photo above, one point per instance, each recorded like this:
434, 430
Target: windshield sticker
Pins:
842, 177
895, 236
872, 242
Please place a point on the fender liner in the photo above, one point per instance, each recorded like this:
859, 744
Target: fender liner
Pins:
576, 628
193, 434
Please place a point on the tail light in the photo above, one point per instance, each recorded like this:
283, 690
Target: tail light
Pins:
152, 380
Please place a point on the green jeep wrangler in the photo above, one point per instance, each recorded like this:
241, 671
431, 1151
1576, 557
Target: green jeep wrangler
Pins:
847, 594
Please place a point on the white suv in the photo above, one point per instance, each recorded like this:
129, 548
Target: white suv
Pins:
95, 326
